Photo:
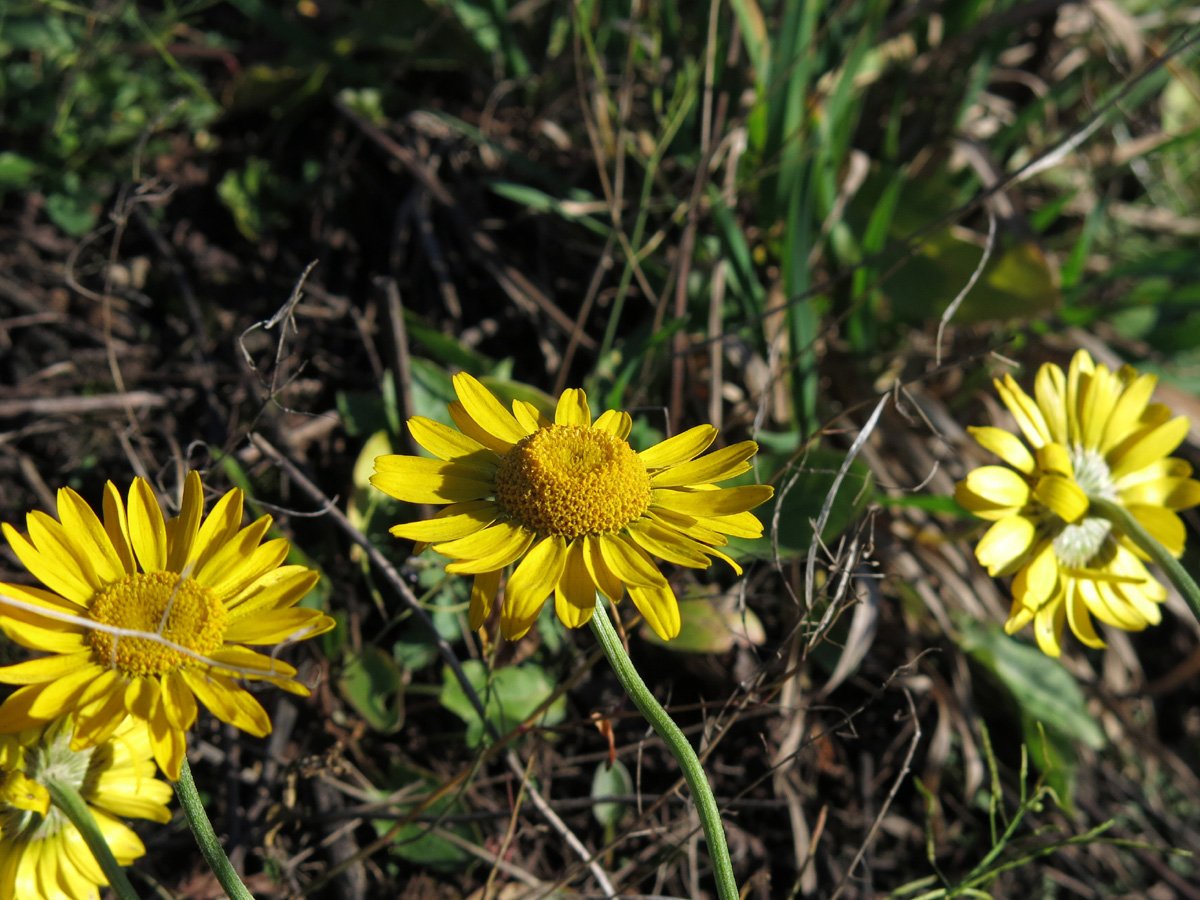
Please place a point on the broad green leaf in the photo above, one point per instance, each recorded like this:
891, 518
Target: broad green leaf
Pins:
373, 684
611, 781
15, 170
1042, 688
510, 697
708, 627
424, 842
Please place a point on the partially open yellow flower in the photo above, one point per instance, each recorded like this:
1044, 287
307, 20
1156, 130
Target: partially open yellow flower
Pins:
570, 499
1093, 433
144, 616
43, 855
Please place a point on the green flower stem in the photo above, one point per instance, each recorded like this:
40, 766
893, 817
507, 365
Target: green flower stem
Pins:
1130, 526
71, 805
210, 846
706, 803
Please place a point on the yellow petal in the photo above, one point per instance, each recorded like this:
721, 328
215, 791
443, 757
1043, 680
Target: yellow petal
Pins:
1137, 599
1099, 398
1025, 411
658, 607
1078, 375
58, 696
721, 502
483, 596
96, 722
246, 663
1050, 387
716, 466
416, 479
992, 489
1164, 526
116, 526
278, 589
229, 702
88, 535
48, 668
485, 410
449, 444
216, 530
485, 551
1173, 493
627, 562
1054, 459
602, 576
170, 745
1062, 496
1005, 544
743, 524
1048, 626
147, 530
530, 584
1080, 621
667, 544
575, 593
529, 416
1038, 579
15, 715
678, 449
184, 528
278, 625
1146, 447
573, 409
1106, 606
234, 554
569, 614
475, 431
178, 701
455, 522
62, 579
1005, 445
1128, 410
614, 422
232, 581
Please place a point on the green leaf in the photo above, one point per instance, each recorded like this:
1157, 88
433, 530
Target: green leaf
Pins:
710, 626
799, 495
510, 697
373, 684
611, 781
1043, 689
75, 213
1054, 754
15, 170
421, 842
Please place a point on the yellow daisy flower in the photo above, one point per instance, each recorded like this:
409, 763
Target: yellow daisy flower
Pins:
1090, 432
572, 501
42, 855
144, 616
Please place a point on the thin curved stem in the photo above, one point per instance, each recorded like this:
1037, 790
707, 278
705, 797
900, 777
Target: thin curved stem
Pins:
72, 805
1130, 526
677, 743
206, 837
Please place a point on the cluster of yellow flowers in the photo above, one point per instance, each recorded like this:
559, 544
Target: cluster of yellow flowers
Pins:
1089, 433
142, 616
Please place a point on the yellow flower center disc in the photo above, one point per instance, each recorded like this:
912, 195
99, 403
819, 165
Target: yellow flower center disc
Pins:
179, 609
570, 480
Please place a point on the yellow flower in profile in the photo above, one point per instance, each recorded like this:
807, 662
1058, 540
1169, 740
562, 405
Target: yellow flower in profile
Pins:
1090, 432
570, 499
144, 617
42, 855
